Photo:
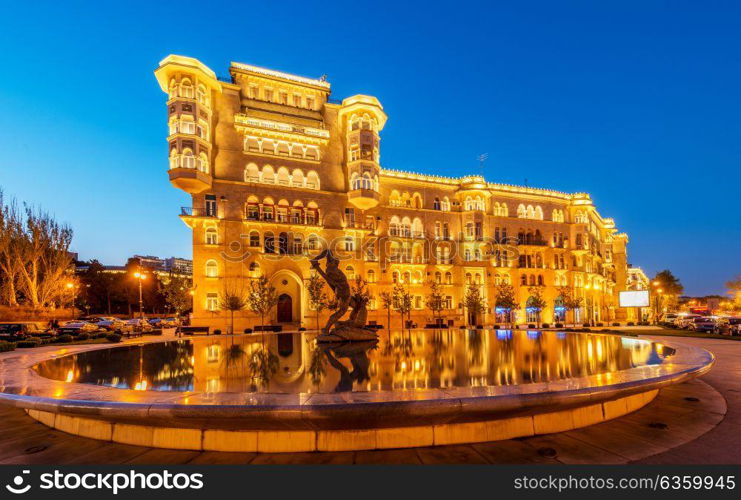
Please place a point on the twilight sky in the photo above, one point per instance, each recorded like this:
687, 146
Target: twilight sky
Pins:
636, 103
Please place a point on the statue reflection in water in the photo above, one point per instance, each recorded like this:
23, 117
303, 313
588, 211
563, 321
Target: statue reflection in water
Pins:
357, 353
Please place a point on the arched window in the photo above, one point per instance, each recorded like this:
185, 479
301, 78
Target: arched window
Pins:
251, 173
189, 161
312, 180
211, 236
445, 204
438, 277
212, 269
395, 277
202, 95
186, 88
297, 178
254, 269
540, 280
254, 239
407, 277
350, 272
538, 213
448, 278
436, 204
521, 211
532, 280
283, 178
371, 276
267, 175
203, 163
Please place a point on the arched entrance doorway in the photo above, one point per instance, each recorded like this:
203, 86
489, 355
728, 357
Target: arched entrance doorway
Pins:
285, 308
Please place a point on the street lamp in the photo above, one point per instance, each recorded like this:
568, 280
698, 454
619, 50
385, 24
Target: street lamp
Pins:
141, 277
656, 283
73, 289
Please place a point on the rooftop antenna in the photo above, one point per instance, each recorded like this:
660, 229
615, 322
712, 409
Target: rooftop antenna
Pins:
482, 158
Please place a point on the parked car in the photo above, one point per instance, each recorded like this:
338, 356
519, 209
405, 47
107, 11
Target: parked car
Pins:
139, 325
110, 323
684, 321
170, 323
21, 330
76, 327
668, 319
713, 324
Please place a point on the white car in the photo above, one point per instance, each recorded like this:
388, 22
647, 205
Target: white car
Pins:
685, 321
139, 325
78, 327
111, 324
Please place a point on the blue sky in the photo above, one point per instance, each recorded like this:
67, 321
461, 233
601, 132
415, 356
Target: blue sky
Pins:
635, 103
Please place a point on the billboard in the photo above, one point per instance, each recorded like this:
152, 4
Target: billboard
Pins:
638, 298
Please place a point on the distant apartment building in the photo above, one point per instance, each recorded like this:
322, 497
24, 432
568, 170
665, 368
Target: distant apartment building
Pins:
277, 170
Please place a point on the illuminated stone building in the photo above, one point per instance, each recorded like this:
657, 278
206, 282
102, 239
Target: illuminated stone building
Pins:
277, 169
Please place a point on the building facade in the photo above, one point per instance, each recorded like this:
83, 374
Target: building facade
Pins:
278, 170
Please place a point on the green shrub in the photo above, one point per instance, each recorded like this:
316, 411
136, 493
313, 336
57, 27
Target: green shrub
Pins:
82, 336
616, 324
6, 346
217, 332
99, 335
558, 325
28, 343
64, 338
113, 337
545, 325
531, 325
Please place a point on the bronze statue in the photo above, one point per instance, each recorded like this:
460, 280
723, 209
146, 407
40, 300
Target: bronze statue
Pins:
354, 328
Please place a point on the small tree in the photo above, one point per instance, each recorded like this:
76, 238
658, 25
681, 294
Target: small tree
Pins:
473, 301
261, 297
435, 299
536, 301
387, 302
506, 298
570, 301
318, 297
232, 299
402, 301
176, 291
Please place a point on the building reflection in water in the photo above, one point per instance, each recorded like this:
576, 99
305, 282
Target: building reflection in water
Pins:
416, 359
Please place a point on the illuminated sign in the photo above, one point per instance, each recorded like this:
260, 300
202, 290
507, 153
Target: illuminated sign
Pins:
638, 298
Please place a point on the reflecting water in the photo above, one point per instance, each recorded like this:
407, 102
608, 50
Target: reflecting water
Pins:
295, 363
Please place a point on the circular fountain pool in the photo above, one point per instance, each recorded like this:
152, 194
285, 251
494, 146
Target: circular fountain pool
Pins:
285, 392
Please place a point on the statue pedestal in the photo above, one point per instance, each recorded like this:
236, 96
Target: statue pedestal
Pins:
348, 334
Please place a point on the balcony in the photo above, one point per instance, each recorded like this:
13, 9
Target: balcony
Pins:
190, 180
364, 199
289, 220
197, 212
534, 243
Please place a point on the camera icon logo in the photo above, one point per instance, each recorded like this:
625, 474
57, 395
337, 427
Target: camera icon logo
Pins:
17, 487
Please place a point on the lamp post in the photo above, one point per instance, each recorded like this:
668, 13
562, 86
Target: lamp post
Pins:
656, 284
141, 277
71, 287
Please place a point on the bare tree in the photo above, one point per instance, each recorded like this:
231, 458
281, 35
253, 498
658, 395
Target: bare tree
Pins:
318, 297
261, 297
44, 258
11, 231
232, 299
